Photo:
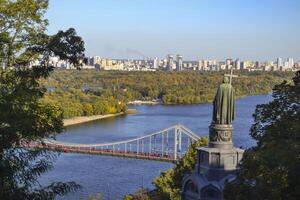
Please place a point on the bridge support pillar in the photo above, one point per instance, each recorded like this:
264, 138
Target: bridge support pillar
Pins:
175, 144
137, 147
150, 146
162, 145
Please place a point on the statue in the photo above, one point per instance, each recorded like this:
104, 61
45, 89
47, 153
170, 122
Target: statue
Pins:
220, 132
223, 112
218, 162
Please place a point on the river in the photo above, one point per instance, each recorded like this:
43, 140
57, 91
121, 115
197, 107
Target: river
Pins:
114, 177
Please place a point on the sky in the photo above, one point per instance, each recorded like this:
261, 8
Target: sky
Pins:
196, 29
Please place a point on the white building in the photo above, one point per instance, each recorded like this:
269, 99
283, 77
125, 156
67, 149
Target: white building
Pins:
290, 62
170, 62
179, 63
237, 64
279, 63
156, 62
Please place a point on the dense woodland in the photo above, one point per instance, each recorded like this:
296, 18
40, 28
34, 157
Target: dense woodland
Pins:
89, 92
74, 102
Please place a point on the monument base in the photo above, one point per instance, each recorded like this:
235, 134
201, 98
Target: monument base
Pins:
215, 166
220, 136
216, 163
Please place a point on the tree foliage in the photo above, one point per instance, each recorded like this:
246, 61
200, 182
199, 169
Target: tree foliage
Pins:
168, 184
23, 116
141, 194
75, 102
270, 170
171, 88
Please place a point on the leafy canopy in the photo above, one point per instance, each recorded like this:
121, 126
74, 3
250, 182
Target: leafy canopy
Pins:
271, 169
23, 116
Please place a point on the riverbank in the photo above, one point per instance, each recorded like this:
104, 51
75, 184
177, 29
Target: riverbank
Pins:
140, 102
84, 119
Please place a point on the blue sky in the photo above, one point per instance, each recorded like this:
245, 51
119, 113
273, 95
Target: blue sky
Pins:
197, 29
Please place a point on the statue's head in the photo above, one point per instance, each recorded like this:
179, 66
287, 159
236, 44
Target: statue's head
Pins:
226, 79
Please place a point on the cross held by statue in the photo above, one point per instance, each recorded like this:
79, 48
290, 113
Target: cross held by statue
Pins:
231, 75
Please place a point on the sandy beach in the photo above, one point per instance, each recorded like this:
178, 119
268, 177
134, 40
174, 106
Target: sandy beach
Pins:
83, 119
139, 102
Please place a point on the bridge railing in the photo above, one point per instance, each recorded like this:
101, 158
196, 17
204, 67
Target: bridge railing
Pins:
169, 142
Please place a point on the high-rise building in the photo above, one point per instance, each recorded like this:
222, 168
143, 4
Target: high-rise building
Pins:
170, 62
179, 63
213, 62
285, 65
237, 64
228, 61
156, 63
200, 65
103, 63
290, 62
247, 64
257, 64
95, 60
279, 63
205, 65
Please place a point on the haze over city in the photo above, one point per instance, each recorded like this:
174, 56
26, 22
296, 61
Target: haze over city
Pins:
255, 30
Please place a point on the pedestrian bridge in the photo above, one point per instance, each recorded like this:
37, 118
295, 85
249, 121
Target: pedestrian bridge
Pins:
169, 145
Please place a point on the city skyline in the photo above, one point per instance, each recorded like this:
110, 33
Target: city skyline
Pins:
196, 29
177, 63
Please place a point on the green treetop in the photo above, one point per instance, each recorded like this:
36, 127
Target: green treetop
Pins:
23, 117
270, 170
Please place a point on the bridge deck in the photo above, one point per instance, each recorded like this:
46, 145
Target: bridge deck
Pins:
140, 155
109, 149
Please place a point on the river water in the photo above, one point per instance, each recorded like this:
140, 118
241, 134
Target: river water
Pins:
114, 177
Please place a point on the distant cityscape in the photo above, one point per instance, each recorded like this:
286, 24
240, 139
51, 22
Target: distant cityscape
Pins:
177, 63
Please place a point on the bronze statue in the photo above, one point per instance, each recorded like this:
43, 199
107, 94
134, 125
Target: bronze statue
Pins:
221, 129
224, 106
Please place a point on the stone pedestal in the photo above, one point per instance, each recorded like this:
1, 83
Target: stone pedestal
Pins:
220, 136
216, 164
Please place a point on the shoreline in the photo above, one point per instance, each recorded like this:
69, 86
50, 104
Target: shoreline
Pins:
140, 102
84, 119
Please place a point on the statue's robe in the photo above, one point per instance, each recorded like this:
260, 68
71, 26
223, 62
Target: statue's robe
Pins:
224, 108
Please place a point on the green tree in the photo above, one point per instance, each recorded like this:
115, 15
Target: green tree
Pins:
88, 109
141, 194
168, 184
23, 116
270, 170
97, 196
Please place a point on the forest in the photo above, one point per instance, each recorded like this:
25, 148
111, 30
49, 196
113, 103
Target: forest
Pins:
90, 92
74, 102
